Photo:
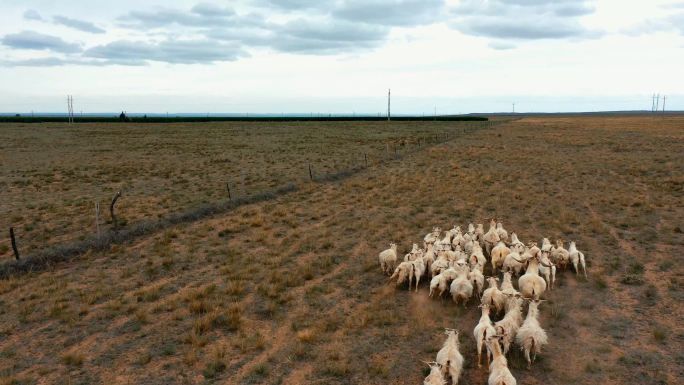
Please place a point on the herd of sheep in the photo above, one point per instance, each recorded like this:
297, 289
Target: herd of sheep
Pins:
456, 263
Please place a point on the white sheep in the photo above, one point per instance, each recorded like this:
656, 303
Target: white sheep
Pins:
503, 234
491, 238
516, 243
468, 247
509, 325
461, 288
499, 254
429, 258
549, 273
483, 330
531, 337
401, 273
559, 255
479, 234
435, 377
417, 271
432, 237
576, 257
531, 285
493, 296
511, 264
476, 256
440, 264
546, 244
449, 358
388, 259
438, 285
498, 369
413, 254
475, 276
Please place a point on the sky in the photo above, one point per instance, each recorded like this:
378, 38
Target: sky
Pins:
340, 57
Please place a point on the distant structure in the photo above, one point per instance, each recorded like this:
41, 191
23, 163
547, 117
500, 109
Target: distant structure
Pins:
388, 104
70, 105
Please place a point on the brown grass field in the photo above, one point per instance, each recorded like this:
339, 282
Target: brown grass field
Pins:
290, 291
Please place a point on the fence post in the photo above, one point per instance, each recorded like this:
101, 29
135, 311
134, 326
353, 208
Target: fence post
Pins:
242, 175
97, 220
310, 173
111, 210
228, 188
365, 159
14, 244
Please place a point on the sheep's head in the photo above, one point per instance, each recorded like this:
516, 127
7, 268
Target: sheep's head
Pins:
559, 243
393, 245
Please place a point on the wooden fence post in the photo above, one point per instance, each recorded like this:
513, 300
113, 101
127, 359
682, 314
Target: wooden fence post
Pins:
111, 210
14, 244
365, 158
310, 173
97, 220
228, 188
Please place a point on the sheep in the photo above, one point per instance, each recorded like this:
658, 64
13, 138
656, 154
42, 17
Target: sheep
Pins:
457, 238
435, 377
440, 264
511, 265
507, 288
484, 329
401, 273
549, 273
413, 254
516, 243
388, 259
491, 238
479, 234
498, 369
449, 358
429, 258
531, 285
446, 241
503, 234
531, 337
509, 325
438, 285
417, 271
499, 254
493, 296
559, 255
461, 288
475, 276
476, 256
546, 244
432, 237
468, 247
577, 256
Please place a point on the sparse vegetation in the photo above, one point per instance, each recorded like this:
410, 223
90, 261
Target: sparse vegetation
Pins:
289, 290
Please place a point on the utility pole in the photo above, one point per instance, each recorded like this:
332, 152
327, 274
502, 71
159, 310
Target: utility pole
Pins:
70, 106
652, 105
664, 97
657, 102
388, 104
513, 107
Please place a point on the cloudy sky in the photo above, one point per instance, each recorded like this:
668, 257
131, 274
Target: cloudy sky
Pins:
300, 56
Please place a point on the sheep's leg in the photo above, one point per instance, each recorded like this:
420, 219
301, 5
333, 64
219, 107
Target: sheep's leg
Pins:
527, 356
417, 281
576, 270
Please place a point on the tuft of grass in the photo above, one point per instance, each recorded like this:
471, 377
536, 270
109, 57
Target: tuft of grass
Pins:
658, 334
307, 335
261, 369
600, 281
73, 358
4, 248
141, 316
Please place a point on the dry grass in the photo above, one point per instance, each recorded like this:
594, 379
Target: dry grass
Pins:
289, 291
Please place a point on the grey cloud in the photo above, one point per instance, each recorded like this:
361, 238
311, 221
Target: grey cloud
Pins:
296, 4
212, 10
32, 15
166, 17
404, 13
501, 45
523, 19
679, 5
84, 26
171, 51
38, 41
58, 62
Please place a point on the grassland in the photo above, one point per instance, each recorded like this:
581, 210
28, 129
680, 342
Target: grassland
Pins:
290, 291
51, 175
